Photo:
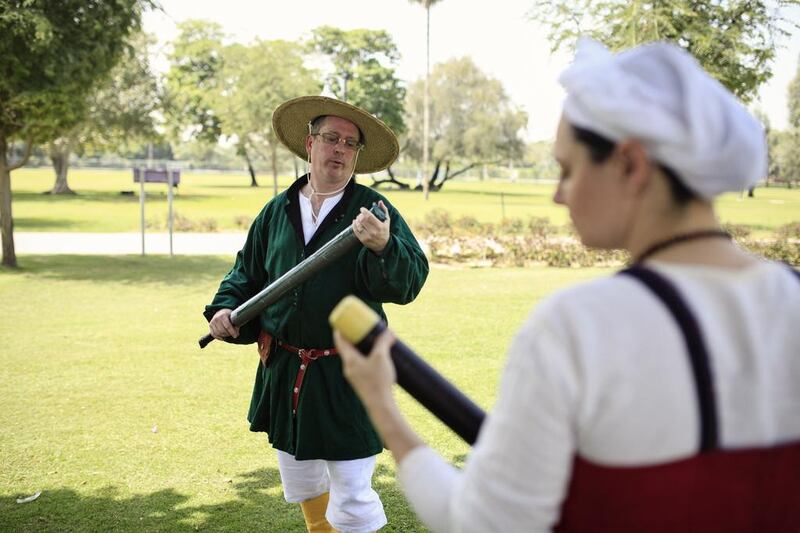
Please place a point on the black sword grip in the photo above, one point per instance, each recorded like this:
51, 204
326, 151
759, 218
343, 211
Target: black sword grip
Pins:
205, 340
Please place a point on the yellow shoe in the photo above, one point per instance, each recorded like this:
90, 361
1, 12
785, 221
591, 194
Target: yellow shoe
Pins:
314, 514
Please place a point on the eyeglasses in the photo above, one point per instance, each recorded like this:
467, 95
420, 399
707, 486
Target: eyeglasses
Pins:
334, 139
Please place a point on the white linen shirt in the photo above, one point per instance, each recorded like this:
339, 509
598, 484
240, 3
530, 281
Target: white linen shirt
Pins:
306, 213
601, 370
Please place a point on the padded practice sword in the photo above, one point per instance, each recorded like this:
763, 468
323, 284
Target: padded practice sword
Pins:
360, 325
330, 252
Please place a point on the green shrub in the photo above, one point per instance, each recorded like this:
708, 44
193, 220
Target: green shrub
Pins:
470, 225
207, 224
242, 221
514, 242
182, 223
540, 226
511, 225
436, 222
789, 231
777, 250
737, 231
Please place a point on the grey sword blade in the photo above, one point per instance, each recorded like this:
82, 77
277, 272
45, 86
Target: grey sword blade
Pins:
328, 253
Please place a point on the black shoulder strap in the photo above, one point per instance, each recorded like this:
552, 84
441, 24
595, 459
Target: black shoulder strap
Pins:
796, 273
698, 356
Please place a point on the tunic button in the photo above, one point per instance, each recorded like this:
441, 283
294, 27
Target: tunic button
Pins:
296, 389
327, 352
302, 367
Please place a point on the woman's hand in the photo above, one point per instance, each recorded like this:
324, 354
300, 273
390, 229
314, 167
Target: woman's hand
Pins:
372, 376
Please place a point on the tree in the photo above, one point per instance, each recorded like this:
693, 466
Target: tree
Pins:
254, 80
473, 122
788, 143
734, 41
192, 83
764, 119
53, 54
426, 96
119, 112
539, 156
364, 63
793, 101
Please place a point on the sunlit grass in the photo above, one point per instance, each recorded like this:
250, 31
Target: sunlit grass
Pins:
229, 201
112, 411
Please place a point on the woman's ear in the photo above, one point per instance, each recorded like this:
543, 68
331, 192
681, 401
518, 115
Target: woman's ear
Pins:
637, 166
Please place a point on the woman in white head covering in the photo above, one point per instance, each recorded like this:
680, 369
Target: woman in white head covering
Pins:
664, 398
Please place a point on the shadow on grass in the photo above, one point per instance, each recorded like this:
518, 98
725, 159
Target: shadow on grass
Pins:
178, 270
267, 187
467, 192
29, 223
498, 194
100, 196
250, 508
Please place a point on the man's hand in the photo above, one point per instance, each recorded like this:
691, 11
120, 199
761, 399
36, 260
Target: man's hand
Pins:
221, 325
372, 233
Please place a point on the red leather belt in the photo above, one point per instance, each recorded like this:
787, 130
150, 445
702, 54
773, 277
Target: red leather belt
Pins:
306, 356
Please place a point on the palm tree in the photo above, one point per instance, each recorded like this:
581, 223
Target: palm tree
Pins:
425, 112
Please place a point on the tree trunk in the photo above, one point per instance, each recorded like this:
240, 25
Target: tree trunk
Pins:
274, 153
450, 175
430, 181
425, 111
392, 179
6, 220
250, 169
751, 192
444, 178
59, 154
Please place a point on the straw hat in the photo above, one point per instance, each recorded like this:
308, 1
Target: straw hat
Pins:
290, 123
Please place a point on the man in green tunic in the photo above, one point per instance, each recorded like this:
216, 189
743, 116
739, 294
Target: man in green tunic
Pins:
325, 441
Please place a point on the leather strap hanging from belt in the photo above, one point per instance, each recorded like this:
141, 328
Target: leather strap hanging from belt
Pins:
306, 356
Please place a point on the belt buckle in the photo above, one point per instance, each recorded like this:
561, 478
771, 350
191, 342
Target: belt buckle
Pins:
312, 355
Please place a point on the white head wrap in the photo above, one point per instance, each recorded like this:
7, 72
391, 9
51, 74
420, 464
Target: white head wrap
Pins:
659, 95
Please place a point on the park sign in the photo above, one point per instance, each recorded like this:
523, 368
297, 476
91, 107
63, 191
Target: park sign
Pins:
153, 175
172, 177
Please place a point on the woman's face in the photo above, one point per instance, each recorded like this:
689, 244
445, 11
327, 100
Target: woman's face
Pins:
593, 192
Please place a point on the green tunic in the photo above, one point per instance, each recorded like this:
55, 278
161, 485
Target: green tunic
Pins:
330, 422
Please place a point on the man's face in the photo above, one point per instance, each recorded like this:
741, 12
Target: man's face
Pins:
332, 164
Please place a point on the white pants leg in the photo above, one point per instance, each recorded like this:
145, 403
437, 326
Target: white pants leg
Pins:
353, 507
302, 480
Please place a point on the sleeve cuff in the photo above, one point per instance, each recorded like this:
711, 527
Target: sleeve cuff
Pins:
428, 482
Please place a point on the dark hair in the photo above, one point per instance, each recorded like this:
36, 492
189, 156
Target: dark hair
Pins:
600, 148
316, 124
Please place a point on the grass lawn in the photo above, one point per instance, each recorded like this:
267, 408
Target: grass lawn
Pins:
112, 411
229, 201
